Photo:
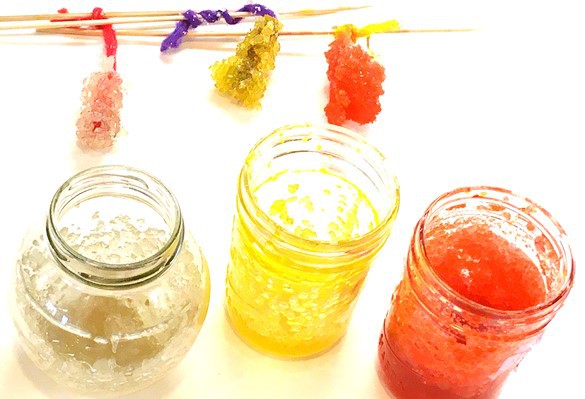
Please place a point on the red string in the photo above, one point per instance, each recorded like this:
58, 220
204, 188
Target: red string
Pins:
108, 31
109, 34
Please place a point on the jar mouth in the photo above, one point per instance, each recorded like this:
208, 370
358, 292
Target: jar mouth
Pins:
334, 142
138, 189
536, 218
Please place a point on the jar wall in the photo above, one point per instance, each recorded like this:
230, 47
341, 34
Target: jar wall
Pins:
437, 343
98, 339
299, 255
454, 363
290, 313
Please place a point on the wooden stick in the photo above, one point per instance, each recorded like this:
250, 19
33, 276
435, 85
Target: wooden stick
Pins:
448, 30
48, 17
95, 22
43, 21
151, 33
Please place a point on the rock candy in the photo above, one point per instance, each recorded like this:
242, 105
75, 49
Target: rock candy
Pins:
101, 101
355, 81
244, 76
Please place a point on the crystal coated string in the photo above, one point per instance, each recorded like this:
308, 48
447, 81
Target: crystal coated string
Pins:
193, 19
98, 123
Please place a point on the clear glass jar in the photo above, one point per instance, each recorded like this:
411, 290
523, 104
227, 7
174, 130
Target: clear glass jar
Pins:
110, 290
486, 271
314, 206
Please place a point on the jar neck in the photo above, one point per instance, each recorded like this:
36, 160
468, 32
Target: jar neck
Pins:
140, 190
327, 149
534, 230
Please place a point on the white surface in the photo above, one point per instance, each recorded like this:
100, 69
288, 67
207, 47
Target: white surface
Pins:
501, 106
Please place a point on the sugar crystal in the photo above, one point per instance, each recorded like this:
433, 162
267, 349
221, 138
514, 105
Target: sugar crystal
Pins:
244, 76
355, 82
101, 101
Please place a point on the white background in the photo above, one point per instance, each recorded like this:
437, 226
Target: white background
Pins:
500, 106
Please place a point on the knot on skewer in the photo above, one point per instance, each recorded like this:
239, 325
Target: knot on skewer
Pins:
108, 31
256, 9
193, 19
109, 34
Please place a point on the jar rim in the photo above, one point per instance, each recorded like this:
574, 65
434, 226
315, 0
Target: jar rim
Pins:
325, 246
533, 211
114, 275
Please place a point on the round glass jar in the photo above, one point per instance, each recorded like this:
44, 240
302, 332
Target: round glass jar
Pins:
314, 206
110, 290
486, 271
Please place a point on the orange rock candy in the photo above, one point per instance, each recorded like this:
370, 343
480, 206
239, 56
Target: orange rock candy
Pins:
355, 81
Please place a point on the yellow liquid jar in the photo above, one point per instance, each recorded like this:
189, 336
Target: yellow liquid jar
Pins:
315, 204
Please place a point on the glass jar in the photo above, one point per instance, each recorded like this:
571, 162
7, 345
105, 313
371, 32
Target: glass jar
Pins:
111, 290
486, 271
314, 206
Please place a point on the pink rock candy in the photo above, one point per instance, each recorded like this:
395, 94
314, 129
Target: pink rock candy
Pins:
101, 101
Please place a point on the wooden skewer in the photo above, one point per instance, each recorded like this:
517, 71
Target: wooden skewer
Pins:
92, 22
168, 27
46, 21
124, 14
153, 33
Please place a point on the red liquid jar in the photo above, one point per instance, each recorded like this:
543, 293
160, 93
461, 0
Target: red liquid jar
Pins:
486, 271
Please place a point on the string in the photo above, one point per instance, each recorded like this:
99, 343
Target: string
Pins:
108, 31
194, 19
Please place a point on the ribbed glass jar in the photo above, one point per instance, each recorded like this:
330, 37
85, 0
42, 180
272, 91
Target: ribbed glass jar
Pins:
314, 206
110, 290
486, 271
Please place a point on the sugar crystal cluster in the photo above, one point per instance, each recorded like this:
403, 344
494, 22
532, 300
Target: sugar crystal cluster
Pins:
244, 76
121, 240
355, 81
101, 100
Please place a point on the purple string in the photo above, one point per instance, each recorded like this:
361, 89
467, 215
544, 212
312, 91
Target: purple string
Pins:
257, 9
194, 19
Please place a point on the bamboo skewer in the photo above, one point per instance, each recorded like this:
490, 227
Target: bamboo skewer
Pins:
154, 33
150, 23
48, 17
48, 21
90, 22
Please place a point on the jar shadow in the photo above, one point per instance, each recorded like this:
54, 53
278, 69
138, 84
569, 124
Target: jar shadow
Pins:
380, 390
269, 374
51, 389
319, 375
